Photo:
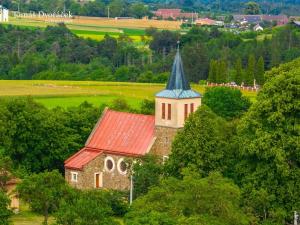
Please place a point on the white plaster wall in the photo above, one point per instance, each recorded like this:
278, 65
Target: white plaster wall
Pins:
177, 109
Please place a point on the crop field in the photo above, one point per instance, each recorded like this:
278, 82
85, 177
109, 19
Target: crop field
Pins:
95, 28
73, 93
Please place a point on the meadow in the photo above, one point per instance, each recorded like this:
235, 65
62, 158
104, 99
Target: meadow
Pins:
73, 93
96, 27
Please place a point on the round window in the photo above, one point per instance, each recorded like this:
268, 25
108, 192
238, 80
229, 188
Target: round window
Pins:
122, 167
109, 164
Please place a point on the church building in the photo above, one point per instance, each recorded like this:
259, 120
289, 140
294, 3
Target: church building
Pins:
118, 136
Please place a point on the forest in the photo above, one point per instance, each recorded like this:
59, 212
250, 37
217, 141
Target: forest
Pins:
208, 53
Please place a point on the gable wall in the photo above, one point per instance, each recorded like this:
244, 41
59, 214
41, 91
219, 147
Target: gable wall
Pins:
110, 180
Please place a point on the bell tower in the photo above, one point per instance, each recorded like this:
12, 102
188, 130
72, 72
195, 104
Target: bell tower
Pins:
173, 105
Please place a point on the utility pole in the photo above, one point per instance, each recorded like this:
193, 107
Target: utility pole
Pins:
131, 190
108, 12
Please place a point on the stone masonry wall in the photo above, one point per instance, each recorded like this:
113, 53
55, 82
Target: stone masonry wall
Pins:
110, 179
164, 138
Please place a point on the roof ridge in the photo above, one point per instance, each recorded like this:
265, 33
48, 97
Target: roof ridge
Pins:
131, 113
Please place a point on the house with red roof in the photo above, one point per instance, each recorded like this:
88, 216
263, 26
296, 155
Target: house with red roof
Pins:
119, 136
174, 14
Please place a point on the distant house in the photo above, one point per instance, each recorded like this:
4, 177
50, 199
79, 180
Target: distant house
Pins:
279, 19
257, 28
11, 188
208, 22
3, 14
255, 19
174, 14
297, 23
247, 18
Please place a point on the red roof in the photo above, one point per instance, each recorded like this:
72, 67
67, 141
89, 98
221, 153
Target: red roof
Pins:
118, 133
81, 158
123, 133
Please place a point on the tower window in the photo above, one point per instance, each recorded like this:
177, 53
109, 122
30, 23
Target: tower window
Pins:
169, 111
163, 113
186, 106
192, 107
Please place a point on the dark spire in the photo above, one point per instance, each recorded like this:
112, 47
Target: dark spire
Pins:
177, 79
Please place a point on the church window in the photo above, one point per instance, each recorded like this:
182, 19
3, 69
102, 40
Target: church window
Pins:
74, 176
169, 111
186, 111
109, 164
122, 167
163, 115
192, 107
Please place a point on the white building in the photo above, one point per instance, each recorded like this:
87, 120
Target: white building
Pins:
257, 27
3, 14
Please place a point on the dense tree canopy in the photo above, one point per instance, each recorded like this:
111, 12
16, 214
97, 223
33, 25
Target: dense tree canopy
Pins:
146, 174
36, 138
43, 192
201, 144
268, 137
226, 102
86, 207
5, 213
208, 201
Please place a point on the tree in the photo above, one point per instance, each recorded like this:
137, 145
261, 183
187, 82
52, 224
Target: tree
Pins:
146, 173
250, 73
201, 144
43, 192
164, 41
195, 59
268, 138
116, 8
5, 213
212, 76
86, 207
260, 71
138, 10
226, 102
251, 8
213, 200
238, 71
148, 107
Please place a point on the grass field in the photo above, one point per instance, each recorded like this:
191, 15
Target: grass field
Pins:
73, 93
95, 28
26, 217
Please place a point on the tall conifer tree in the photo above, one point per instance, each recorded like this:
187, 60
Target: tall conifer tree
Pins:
260, 71
238, 71
212, 71
249, 75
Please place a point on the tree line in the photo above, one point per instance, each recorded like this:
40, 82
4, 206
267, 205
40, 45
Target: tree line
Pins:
208, 53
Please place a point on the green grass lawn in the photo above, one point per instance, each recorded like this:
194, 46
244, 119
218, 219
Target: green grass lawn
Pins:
27, 217
73, 93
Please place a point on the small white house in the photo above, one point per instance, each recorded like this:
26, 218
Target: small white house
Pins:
3, 14
257, 28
